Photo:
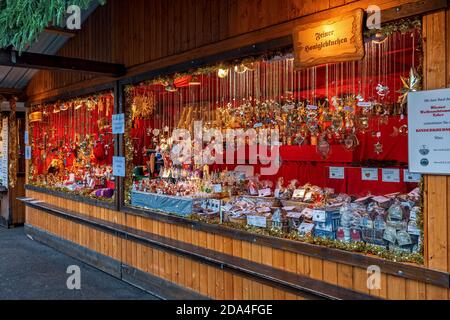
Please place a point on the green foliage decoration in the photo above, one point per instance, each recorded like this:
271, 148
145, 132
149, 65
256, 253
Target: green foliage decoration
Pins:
21, 21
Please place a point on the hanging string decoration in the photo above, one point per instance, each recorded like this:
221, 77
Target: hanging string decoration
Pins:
13, 144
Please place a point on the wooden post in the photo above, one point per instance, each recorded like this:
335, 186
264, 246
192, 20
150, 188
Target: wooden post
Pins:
437, 198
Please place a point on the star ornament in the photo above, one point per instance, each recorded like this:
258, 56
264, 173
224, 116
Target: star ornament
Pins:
410, 84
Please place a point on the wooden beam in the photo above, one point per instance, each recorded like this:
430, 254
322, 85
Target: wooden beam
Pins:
61, 31
8, 93
389, 11
412, 9
30, 60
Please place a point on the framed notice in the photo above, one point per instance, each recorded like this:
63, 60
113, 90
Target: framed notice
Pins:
337, 173
369, 174
429, 132
329, 41
391, 175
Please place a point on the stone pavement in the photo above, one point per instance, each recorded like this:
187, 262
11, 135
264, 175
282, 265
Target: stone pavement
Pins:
32, 271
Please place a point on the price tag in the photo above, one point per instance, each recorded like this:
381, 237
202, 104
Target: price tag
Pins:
298, 194
217, 188
26, 138
391, 175
365, 104
411, 177
118, 123
369, 174
337, 173
265, 192
257, 221
119, 166
28, 153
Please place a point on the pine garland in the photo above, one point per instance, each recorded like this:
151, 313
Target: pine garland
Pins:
21, 21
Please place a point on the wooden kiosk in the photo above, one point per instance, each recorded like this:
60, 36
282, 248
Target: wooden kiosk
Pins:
177, 257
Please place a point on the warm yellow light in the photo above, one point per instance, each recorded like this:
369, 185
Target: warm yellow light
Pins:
222, 73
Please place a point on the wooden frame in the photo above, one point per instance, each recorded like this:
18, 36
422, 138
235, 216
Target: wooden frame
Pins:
347, 28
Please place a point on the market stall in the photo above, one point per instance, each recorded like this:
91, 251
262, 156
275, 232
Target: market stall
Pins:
72, 146
341, 130
240, 170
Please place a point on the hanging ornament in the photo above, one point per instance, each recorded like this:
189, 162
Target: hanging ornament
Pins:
410, 84
171, 88
336, 123
382, 91
351, 142
312, 123
378, 148
323, 147
241, 68
251, 66
363, 122
64, 106
384, 118
402, 131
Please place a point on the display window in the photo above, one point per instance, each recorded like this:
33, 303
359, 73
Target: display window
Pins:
316, 155
72, 146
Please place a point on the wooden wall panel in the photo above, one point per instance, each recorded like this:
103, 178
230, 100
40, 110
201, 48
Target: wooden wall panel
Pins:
138, 32
209, 280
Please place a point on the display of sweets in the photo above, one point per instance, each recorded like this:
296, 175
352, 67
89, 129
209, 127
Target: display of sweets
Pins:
389, 221
97, 181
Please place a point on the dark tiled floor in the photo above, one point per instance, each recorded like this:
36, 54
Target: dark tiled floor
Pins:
30, 270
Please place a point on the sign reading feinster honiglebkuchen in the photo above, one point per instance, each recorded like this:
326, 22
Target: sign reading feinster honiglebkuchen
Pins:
334, 40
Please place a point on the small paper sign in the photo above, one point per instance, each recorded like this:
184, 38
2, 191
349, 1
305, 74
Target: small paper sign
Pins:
365, 104
118, 123
264, 192
257, 221
217, 188
391, 175
369, 174
298, 194
28, 153
411, 177
119, 166
26, 138
337, 173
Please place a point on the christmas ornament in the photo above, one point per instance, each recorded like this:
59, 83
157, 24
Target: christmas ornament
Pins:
410, 84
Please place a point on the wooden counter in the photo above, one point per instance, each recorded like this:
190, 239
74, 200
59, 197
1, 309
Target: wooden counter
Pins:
222, 263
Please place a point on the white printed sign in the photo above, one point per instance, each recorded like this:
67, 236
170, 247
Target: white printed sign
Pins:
337, 173
411, 177
429, 131
257, 221
391, 175
118, 123
119, 166
28, 153
369, 174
